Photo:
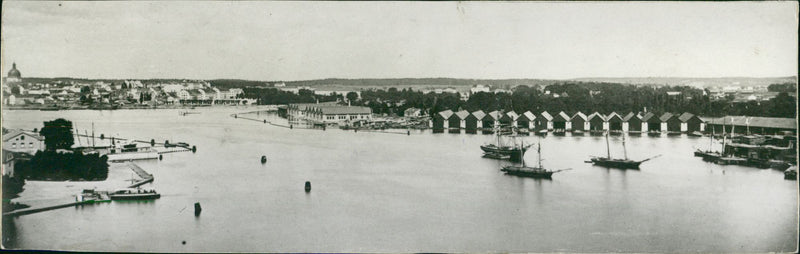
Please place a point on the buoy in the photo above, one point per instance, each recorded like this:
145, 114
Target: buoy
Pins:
197, 209
323, 127
102, 136
235, 116
166, 142
265, 120
263, 159
194, 149
152, 142
160, 157
408, 133
308, 186
183, 242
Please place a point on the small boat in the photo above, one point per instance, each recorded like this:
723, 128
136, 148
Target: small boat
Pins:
577, 133
133, 194
695, 134
541, 133
499, 149
559, 132
654, 133
673, 133
534, 172
790, 173
497, 156
617, 163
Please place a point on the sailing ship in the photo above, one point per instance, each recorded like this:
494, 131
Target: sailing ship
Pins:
535, 172
709, 155
504, 151
617, 163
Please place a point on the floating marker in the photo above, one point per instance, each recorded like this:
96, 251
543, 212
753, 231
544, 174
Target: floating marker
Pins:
235, 116
197, 209
160, 157
265, 120
308, 186
194, 149
152, 142
263, 159
102, 136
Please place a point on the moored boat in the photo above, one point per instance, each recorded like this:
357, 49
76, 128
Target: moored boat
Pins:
533, 172
624, 163
133, 194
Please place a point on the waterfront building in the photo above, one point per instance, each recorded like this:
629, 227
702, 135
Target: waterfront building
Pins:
508, 119
492, 119
8, 163
614, 122
752, 125
690, 122
632, 122
597, 122
670, 122
651, 122
440, 119
458, 119
579, 122
544, 121
526, 120
562, 121
337, 114
474, 121
20, 141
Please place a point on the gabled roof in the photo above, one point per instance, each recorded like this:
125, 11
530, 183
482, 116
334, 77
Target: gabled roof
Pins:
528, 115
445, 114
496, 114
563, 116
581, 116
685, 116
630, 116
665, 117
512, 115
649, 116
14, 133
595, 114
613, 115
461, 114
546, 116
479, 114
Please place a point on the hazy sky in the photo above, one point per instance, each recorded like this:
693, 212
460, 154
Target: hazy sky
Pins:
310, 40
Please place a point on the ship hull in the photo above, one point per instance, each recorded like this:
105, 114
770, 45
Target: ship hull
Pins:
611, 163
527, 172
137, 196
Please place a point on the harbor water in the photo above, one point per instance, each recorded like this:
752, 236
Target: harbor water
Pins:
379, 192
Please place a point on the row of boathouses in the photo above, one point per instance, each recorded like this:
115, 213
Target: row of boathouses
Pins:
630, 122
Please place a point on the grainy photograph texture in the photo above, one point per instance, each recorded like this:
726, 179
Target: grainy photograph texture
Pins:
248, 126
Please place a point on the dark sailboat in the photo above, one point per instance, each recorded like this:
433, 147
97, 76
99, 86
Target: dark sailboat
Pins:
504, 151
617, 163
534, 172
709, 155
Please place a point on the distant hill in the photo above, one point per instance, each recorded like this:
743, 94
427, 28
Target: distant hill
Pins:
695, 82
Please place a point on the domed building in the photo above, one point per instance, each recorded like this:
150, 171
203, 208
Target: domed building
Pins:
14, 75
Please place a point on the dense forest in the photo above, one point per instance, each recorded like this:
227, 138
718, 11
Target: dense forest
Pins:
55, 166
273, 96
581, 96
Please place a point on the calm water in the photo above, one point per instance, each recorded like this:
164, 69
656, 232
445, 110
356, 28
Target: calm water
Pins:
376, 192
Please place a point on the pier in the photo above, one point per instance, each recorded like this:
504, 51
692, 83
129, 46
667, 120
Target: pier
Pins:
146, 177
48, 208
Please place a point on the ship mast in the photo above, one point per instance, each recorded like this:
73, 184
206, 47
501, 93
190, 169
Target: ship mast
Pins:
608, 147
724, 136
539, 152
624, 149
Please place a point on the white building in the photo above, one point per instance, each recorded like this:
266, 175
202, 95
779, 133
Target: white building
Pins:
23, 142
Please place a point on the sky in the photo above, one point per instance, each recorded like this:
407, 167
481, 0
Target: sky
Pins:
481, 40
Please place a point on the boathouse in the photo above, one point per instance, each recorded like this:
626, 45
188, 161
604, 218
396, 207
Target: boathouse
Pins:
670, 122
579, 122
507, 120
458, 120
596, 122
440, 119
562, 121
753, 125
614, 121
632, 122
473, 121
544, 121
492, 119
690, 122
526, 120
652, 122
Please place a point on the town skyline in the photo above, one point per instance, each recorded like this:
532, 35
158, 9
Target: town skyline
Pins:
291, 41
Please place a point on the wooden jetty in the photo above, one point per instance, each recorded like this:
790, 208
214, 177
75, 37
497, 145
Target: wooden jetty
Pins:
146, 177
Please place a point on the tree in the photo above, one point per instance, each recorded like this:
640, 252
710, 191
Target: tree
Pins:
352, 96
86, 89
57, 134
